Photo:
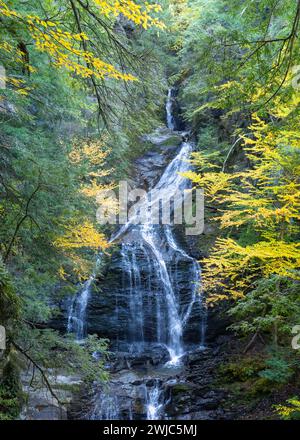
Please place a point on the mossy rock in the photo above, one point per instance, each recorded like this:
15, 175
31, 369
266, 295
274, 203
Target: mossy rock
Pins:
172, 141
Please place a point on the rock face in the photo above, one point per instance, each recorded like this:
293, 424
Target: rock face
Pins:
131, 306
143, 387
41, 404
147, 303
163, 144
194, 397
129, 303
177, 115
112, 303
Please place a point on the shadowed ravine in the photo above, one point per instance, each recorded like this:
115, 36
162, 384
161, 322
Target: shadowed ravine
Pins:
157, 316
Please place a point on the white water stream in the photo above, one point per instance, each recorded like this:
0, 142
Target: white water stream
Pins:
170, 318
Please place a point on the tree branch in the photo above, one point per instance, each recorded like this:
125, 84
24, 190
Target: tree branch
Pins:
20, 222
40, 369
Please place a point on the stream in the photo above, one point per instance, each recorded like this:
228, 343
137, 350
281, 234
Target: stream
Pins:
154, 316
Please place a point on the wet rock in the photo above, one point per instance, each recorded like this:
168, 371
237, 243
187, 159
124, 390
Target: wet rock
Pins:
109, 312
131, 307
208, 404
153, 355
150, 167
200, 415
217, 323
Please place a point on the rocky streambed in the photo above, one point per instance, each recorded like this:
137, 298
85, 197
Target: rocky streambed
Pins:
142, 387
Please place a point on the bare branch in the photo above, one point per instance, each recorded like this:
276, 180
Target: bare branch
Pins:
21, 221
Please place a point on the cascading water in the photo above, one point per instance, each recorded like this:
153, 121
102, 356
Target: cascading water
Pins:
106, 408
132, 284
77, 308
169, 110
77, 313
152, 236
174, 338
195, 276
150, 289
154, 402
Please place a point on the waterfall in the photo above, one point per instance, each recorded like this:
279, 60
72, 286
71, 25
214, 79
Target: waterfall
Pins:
77, 312
147, 240
106, 408
174, 340
78, 305
147, 243
154, 403
169, 110
132, 285
156, 313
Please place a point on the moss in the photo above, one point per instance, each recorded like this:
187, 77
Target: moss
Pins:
139, 406
261, 387
11, 394
180, 388
244, 384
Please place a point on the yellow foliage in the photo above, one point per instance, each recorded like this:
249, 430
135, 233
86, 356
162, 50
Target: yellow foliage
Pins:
81, 267
93, 152
231, 268
17, 83
82, 236
287, 411
265, 197
138, 14
64, 47
90, 159
93, 157
62, 274
94, 188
